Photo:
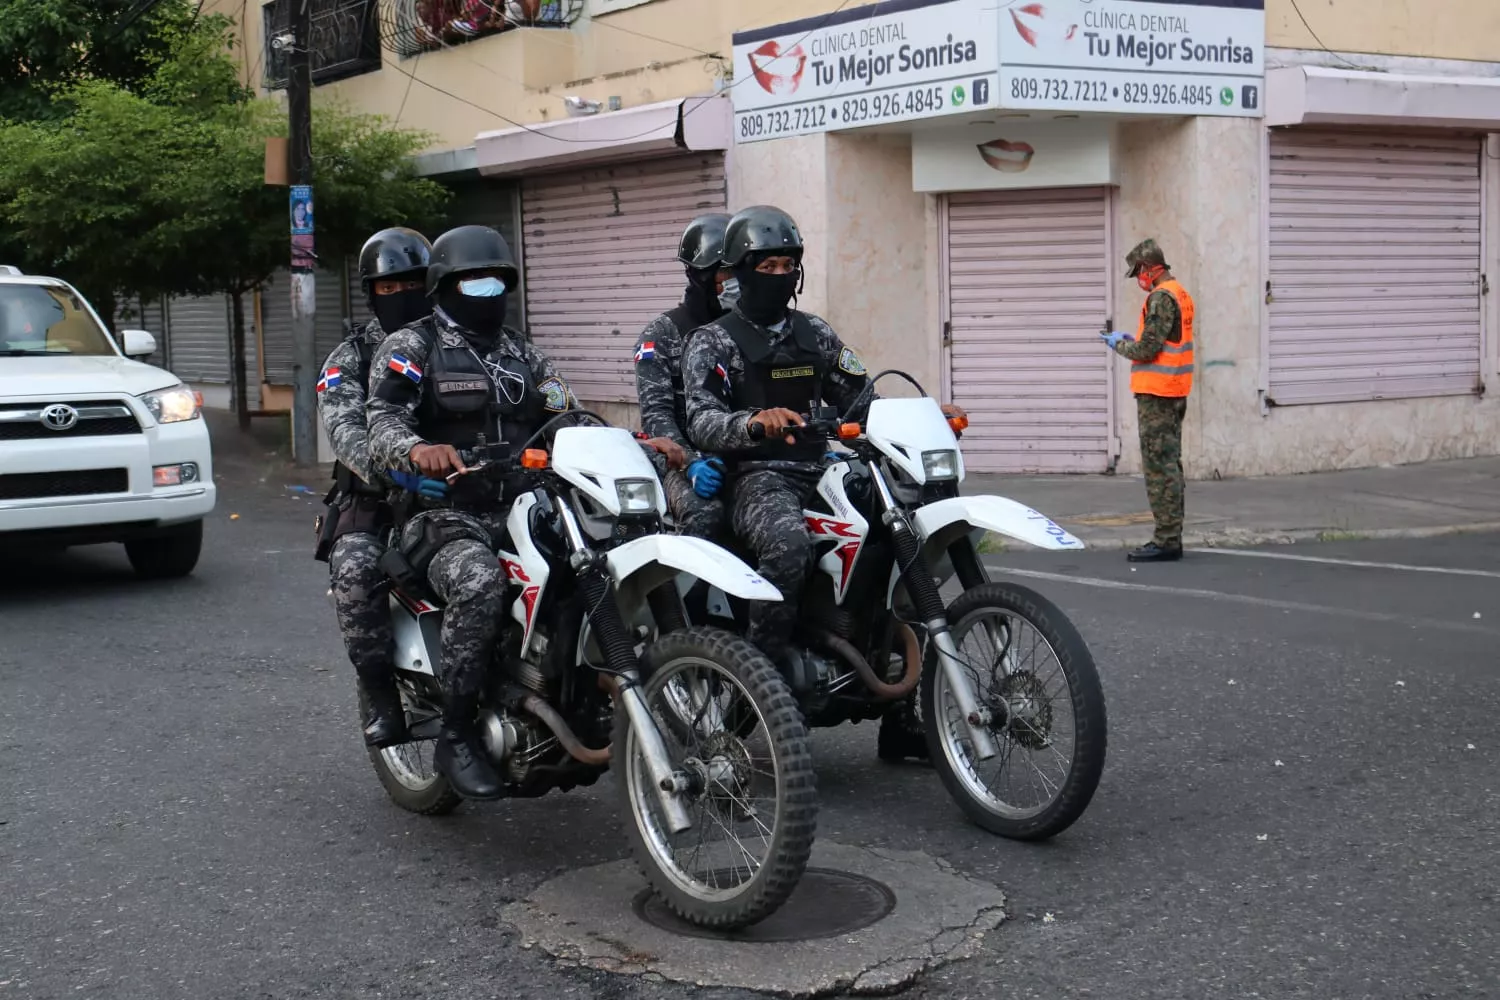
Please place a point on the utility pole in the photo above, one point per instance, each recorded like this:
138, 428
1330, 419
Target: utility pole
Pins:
304, 257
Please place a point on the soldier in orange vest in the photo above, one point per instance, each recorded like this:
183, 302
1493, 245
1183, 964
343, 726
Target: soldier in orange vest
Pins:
1161, 376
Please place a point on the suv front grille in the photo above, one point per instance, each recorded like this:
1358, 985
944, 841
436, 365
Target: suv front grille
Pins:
96, 418
40, 485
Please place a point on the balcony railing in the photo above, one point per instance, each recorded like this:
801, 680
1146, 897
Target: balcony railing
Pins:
415, 26
344, 42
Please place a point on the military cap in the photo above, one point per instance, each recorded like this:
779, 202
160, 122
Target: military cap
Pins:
1145, 254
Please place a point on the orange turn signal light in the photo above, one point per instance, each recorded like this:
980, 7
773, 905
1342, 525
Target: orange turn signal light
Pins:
533, 458
848, 432
959, 423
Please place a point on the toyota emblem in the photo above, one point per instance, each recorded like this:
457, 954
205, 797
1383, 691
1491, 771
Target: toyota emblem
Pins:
59, 417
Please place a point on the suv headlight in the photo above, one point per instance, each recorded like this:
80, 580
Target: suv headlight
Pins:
938, 465
172, 404
637, 496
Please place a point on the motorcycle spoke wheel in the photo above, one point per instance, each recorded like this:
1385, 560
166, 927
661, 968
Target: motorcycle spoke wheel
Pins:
406, 770
1030, 669
731, 726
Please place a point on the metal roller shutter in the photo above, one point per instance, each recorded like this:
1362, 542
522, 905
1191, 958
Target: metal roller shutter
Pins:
601, 261
1027, 292
276, 317
200, 338
1375, 262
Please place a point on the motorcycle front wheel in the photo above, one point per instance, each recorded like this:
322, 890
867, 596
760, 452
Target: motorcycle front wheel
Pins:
731, 725
1034, 674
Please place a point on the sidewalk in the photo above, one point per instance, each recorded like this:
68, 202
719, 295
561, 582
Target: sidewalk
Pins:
1409, 501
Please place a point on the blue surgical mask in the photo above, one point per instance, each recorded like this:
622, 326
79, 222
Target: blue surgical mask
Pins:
482, 288
731, 293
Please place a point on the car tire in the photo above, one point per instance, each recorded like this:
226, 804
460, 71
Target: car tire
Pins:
172, 553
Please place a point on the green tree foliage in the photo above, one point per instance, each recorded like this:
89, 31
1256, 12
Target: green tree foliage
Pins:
158, 188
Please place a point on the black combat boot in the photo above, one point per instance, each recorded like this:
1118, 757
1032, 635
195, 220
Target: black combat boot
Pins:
461, 759
901, 734
1151, 552
385, 718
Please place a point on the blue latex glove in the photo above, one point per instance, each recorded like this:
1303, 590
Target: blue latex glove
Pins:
1113, 339
833, 456
412, 482
706, 475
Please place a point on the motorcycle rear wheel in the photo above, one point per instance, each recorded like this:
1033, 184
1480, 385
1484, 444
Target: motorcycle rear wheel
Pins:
407, 773
1027, 714
733, 675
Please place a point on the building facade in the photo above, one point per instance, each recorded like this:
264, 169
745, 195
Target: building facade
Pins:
1325, 179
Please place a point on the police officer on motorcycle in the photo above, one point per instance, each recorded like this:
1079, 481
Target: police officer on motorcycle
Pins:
393, 273
435, 388
693, 493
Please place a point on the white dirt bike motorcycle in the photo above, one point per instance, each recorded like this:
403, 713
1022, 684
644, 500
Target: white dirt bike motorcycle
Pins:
1008, 696
712, 758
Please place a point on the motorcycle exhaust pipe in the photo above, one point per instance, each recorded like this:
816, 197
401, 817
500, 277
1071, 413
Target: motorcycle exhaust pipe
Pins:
851, 657
564, 733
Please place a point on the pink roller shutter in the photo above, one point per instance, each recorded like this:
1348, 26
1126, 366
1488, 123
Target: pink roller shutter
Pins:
600, 251
1027, 292
1375, 266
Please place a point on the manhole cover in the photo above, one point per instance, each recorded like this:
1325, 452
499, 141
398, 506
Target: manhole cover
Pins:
825, 904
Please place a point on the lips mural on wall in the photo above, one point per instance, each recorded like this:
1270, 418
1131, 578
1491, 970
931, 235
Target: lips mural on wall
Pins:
1032, 21
1005, 156
768, 54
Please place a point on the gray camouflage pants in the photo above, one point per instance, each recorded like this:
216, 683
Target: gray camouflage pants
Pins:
360, 602
703, 518
465, 573
767, 515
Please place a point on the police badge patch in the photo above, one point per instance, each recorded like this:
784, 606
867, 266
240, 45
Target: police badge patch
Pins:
556, 392
849, 362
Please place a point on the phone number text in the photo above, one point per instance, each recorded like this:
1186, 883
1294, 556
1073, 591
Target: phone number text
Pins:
841, 112
1120, 92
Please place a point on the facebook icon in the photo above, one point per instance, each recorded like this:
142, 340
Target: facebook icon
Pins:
981, 91
1249, 96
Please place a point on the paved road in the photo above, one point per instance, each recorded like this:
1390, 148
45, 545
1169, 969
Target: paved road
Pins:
1301, 799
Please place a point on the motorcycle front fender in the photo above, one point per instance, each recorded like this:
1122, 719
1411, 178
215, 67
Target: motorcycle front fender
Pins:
942, 522
643, 564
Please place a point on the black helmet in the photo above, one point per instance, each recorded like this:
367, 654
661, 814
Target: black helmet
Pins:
702, 243
393, 253
760, 228
470, 248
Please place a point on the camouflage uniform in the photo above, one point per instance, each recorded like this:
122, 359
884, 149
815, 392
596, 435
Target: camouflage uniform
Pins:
356, 580
659, 387
464, 571
1160, 417
766, 507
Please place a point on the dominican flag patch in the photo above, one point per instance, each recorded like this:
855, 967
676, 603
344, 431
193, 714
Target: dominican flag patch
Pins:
329, 379
723, 374
401, 366
645, 352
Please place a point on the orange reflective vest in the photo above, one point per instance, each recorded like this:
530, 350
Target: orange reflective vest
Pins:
1170, 373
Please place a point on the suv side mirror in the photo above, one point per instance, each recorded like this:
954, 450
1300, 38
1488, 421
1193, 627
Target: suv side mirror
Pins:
138, 343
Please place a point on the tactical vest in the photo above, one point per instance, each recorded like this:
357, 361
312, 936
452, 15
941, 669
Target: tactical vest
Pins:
788, 375
682, 319
464, 396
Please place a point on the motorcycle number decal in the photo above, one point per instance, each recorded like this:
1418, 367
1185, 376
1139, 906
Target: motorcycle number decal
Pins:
1052, 528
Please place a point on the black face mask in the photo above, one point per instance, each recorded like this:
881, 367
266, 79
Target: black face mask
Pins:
400, 309
764, 297
702, 298
482, 317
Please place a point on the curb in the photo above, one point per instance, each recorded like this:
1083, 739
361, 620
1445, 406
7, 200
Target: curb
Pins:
1249, 537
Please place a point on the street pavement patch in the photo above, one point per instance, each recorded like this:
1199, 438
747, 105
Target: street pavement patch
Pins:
593, 917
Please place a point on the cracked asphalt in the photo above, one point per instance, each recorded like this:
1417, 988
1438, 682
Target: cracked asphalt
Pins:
1301, 796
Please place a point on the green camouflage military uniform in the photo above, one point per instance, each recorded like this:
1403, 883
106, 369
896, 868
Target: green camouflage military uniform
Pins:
1160, 417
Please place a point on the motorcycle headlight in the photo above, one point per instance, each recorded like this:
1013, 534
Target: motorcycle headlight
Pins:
172, 404
939, 465
637, 496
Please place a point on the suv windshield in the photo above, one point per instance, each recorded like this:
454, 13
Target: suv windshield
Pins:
43, 319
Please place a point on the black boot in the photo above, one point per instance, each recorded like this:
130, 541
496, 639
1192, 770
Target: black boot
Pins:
901, 734
464, 764
385, 718
1151, 552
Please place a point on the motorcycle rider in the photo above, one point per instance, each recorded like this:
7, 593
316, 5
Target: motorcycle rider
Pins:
693, 494
392, 273
434, 388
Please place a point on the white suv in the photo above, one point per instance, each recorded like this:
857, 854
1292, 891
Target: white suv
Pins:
95, 447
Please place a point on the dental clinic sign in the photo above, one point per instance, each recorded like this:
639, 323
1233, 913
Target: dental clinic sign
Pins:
887, 62
1176, 57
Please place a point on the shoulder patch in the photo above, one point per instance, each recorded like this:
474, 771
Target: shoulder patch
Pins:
645, 352
849, 362
330, 378
556, 393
